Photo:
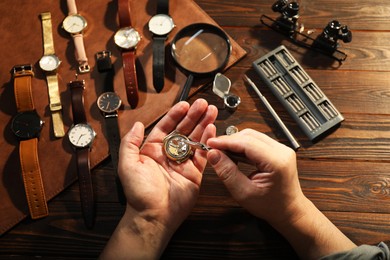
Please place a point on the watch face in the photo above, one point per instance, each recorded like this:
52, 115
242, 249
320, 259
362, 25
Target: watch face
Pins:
74, 23
127, 38
161, 24
27, 125
49, 62
109, 102
81, 135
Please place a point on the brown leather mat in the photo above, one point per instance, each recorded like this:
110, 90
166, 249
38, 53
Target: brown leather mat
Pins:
21, 42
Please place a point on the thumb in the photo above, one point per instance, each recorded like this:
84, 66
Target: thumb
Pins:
235, 181
132, 141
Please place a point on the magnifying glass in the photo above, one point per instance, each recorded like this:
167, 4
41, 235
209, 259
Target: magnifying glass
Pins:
200, 50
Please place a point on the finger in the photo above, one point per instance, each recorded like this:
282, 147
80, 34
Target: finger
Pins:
234, 180
208, 118
193, 117
130, 143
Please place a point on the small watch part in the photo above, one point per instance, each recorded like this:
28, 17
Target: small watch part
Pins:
176, 147
231, 101
231, 130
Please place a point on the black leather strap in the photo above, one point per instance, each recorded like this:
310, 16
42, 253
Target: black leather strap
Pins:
76, 90
85, 186
163, 7
104, 65
158, 61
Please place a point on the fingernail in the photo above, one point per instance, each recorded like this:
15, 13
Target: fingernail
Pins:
214, 157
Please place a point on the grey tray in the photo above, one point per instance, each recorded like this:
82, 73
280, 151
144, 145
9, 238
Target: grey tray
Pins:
298, 93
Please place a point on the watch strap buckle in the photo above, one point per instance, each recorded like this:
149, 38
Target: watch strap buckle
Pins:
22, 70
84, 68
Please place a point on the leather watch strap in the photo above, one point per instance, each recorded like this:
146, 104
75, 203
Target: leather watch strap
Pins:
22, 88
28, 149
124, 13
72, 8
32, 178
158, 62
104, 66
51, 78
85, 186
130, 75
128, 56
78, 110
163, 7
81, 55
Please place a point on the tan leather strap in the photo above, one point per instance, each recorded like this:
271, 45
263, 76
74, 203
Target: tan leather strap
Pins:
22, 88
33, 184
130, 74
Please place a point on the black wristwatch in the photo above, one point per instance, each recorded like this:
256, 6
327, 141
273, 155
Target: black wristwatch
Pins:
109, 103
160, 25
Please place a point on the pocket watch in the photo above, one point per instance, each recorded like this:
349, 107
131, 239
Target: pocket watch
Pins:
74, 23
176, 147
127, 38
161, 24
81, 135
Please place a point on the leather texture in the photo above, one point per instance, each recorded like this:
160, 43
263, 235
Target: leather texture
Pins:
24, 45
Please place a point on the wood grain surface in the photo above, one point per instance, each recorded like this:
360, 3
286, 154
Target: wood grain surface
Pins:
346, 174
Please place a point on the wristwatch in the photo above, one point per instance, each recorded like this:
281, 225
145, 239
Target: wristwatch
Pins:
49, 64
74, 24
160, 25
81, 136
127, 38
27, 125
109, 103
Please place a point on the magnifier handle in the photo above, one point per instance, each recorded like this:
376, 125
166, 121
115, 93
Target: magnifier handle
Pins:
186, 89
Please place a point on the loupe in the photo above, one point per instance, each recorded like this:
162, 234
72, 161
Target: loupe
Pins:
200, 50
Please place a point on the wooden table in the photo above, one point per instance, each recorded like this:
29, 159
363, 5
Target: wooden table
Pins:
346, 174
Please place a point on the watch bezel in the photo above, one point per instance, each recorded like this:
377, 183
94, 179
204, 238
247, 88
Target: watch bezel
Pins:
130, 30
42, 66
105, 110
84, 125
34, 128
74, 15
155, 30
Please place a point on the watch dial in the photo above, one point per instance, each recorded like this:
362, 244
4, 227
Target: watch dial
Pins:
109, 102
74, 23
49, 62
81, 135
161, 24
27, 125
127, 38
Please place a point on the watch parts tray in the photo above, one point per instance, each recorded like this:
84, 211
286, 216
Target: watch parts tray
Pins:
298, 93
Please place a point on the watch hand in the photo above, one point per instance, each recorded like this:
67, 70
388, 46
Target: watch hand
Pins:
80, 138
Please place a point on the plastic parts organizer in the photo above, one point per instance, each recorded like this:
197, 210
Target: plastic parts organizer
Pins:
298, 93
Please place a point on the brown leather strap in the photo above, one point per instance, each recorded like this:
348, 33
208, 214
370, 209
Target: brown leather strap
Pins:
130, 74
33, 184
76, 90
124, 13
22, 88
85, 186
